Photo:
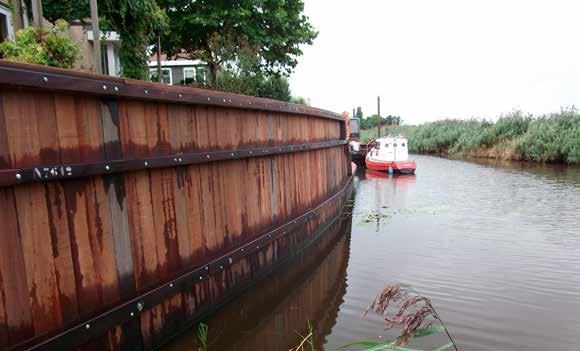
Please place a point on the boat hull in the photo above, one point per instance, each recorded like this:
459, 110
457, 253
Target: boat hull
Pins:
405, 167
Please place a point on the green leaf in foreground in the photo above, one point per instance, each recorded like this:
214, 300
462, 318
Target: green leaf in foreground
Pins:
445, 347
428, 331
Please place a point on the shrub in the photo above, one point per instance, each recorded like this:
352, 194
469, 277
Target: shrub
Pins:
551, 138
49, 47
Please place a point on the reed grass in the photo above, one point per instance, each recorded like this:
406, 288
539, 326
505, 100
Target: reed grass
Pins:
548, 138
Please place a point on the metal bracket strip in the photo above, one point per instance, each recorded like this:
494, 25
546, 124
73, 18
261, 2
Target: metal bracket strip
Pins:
98, 325
67, 171
77, 82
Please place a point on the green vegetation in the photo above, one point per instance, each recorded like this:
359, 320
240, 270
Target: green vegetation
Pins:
249, 46
549, 138
138, 22
271, 87
202, 330
220, 32
51, 47
372, 121
400, 308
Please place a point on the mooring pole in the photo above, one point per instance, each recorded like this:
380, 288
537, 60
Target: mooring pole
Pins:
379, 115
96, 37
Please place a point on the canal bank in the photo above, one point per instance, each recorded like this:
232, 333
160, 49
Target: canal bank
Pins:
553, 138
495, 245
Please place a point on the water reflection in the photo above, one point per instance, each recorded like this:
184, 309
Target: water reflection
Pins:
272, 314
495, 246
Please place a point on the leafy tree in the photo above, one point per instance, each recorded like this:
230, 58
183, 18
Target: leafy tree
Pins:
69, 10
137, 21
298, 100
359, 113
218, 31
271, 87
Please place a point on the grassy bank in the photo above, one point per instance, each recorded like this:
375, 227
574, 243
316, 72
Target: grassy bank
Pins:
550, 138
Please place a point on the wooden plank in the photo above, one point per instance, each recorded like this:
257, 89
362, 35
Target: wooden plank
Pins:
15, 313
194, 216
5, 159
180, 136
40, 271
132, 129
61, 250
20, 121
115, 185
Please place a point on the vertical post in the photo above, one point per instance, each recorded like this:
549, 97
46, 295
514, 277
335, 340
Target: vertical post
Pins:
353, 113
159, 77
379, 115
96, 36
37, 13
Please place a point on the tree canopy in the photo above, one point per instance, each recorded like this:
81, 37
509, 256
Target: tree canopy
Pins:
373, 121
221, 31
138, 22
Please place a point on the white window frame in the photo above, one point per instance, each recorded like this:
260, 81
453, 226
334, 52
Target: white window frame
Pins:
191, 69
6, 12
163, 69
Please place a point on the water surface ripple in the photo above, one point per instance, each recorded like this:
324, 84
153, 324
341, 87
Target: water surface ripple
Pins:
495, 245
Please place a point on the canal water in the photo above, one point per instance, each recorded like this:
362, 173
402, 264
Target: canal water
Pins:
496, 246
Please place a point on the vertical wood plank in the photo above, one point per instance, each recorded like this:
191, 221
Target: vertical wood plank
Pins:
40, 271
15, 314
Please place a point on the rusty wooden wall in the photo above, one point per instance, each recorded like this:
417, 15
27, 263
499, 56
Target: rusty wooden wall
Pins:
128, 208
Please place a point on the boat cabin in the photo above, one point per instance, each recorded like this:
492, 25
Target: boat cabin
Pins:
390, 149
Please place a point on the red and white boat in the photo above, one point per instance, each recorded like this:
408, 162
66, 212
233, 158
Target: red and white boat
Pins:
390, 154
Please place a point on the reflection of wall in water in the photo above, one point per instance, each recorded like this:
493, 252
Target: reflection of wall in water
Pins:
269, 315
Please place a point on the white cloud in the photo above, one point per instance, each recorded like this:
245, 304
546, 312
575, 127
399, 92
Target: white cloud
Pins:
446, 58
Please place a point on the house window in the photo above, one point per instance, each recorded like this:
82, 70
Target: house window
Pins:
188, 75
194, 74
200, 74
165, 75
5, 24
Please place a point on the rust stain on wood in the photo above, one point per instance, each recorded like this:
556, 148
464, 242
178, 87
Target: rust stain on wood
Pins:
71, 249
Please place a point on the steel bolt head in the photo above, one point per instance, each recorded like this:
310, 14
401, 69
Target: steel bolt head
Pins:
146, 163
107, 167
18, 176
146, 91
45, 79
180, 96
87, 326
104, 87
116, 88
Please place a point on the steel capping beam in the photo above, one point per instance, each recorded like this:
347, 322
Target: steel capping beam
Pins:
84, 331
68, 171
80, 82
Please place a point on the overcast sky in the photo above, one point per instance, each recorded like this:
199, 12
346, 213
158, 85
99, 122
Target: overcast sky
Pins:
432, 59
